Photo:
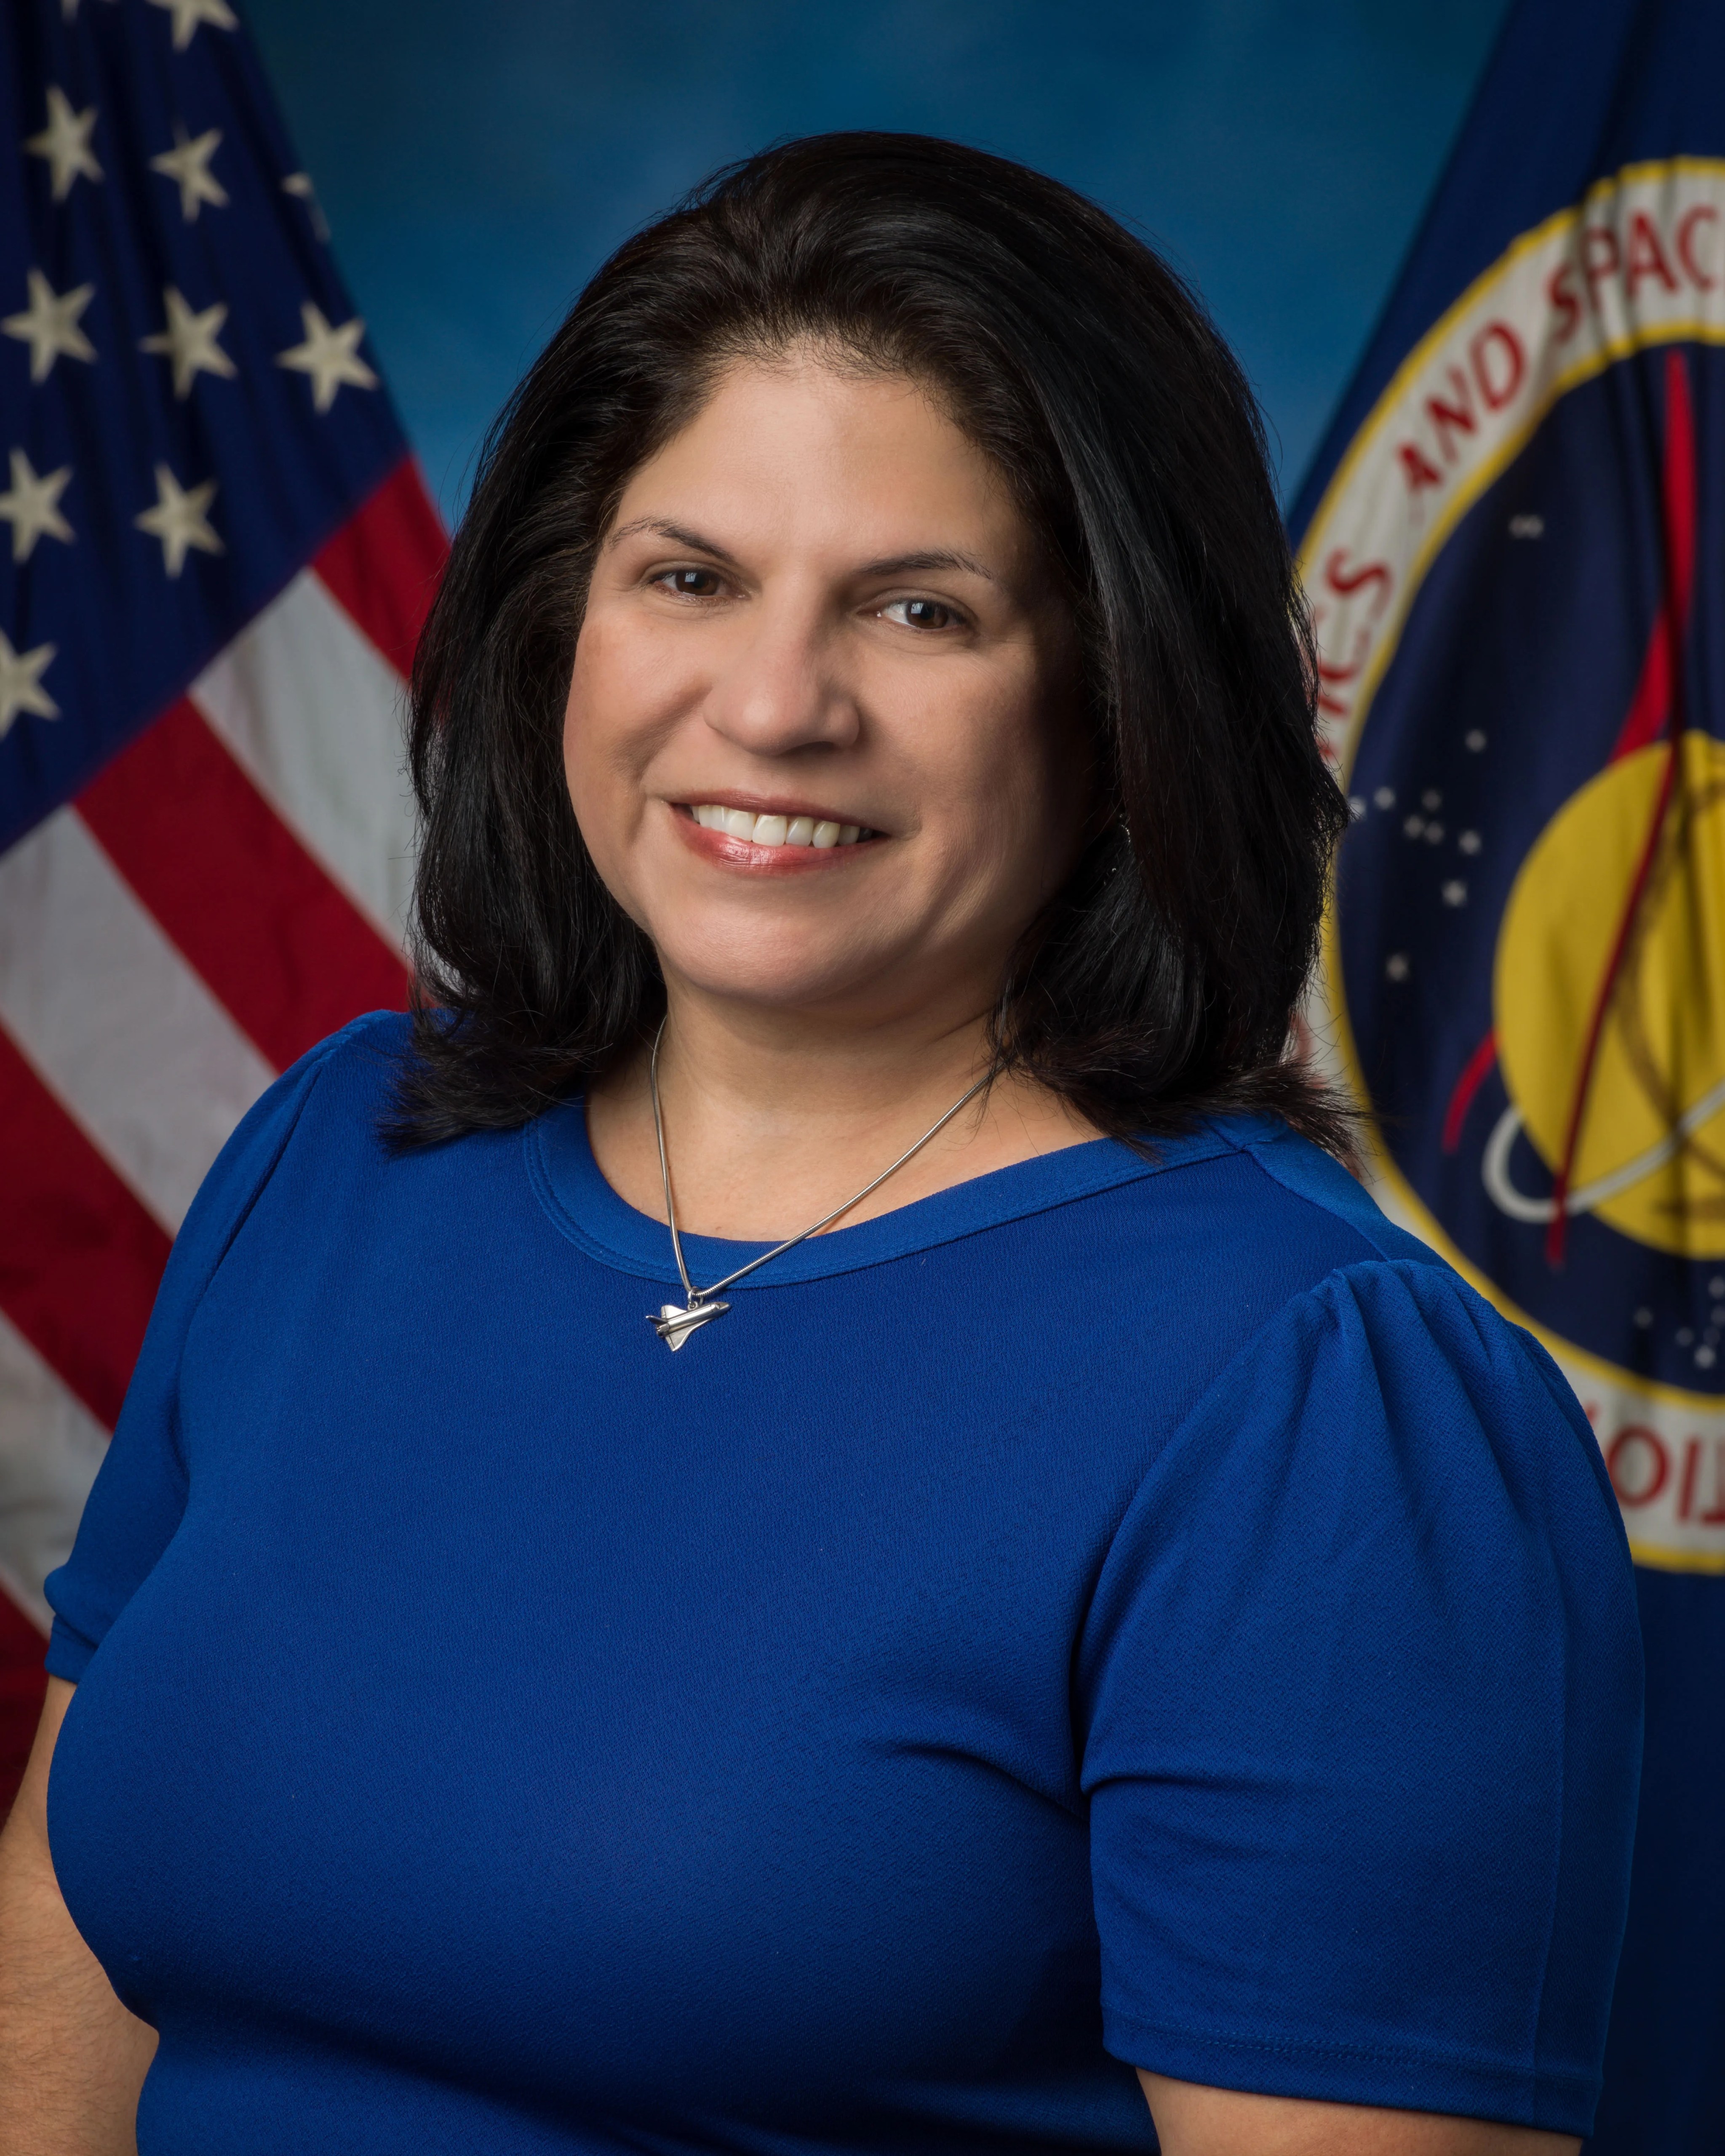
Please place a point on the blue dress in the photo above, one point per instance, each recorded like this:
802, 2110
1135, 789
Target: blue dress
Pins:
1117, 1612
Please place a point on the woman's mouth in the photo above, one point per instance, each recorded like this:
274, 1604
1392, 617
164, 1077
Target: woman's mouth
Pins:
750, 829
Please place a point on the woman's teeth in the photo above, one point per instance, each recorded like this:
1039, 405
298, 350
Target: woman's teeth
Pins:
775, 831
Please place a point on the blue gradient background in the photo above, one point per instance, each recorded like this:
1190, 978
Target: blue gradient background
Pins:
478, 159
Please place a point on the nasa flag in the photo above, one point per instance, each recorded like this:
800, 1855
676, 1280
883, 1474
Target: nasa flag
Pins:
1513, 542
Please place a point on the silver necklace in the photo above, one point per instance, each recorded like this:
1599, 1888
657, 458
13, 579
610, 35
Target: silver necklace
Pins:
673, 1324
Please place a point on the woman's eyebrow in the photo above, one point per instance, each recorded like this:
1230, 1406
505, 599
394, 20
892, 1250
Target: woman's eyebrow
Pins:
890, 565
899, 565
678, 534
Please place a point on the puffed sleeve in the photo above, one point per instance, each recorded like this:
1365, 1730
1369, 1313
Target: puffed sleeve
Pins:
139, 1495
1360, 1701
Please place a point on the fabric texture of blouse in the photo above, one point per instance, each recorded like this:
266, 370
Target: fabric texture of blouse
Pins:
1116, 1612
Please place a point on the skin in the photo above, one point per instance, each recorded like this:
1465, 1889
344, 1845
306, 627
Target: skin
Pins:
72, 2060
756, 636
819, 597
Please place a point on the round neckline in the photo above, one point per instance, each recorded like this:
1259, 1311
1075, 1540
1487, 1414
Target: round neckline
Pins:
583, 1206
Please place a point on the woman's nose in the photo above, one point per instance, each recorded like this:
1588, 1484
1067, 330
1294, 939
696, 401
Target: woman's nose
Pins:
780, 689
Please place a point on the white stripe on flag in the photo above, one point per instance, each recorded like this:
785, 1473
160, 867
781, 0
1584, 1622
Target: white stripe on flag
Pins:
314, 712
115, 1022
50, 1448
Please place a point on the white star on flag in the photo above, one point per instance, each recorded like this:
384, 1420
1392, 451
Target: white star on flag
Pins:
189, 14
331, 357
188, 166
179, 520
21, 688
31, 506
299, 184
189, 341
65, 143
49, 324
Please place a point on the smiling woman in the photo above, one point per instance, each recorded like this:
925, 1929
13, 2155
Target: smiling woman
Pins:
1037, 458
1106, 1616
807, 657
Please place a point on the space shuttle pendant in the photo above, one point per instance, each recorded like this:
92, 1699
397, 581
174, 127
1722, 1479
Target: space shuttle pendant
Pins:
674, 1326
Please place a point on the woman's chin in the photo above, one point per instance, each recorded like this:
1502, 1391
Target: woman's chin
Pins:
823, 982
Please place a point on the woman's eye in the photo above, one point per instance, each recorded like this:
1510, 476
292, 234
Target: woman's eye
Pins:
690, 583
922, 613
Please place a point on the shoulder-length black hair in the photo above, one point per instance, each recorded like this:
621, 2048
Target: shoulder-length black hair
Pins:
1160, 982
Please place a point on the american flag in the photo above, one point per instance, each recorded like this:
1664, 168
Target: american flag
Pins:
220, 553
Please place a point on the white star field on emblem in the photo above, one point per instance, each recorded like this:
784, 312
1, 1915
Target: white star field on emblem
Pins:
64, 142
189, 341
179, 520
188, 166
329, 356
189, 15
49, 324
31, 506
21, 688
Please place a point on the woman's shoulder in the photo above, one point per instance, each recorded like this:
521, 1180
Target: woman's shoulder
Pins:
1307, 1275
362, 1059
1394, 1270
1374, 1423
1274, 1182
1244, 1216
333, 1100
349, 1074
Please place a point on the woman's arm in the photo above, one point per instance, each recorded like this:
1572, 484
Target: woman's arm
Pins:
1191, 2121
72, 2060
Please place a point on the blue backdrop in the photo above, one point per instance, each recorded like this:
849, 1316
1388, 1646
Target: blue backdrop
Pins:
478, 162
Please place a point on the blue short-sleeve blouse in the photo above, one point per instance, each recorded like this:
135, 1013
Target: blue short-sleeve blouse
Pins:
1119, 1611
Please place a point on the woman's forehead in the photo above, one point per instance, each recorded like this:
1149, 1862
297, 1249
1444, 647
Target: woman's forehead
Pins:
868, 465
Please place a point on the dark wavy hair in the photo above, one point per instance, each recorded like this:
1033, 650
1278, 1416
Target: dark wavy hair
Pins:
1160, 982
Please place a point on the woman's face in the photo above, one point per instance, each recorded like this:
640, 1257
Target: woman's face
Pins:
820, 735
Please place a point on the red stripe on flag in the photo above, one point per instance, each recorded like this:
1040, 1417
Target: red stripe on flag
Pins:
80, 1259
278, 942
384, 563
23, 1682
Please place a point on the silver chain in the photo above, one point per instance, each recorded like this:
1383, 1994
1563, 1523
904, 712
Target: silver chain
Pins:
670, 1326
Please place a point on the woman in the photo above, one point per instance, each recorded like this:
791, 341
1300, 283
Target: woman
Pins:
556, 1672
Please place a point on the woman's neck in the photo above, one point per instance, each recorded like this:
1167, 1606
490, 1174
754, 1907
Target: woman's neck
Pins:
772, 1119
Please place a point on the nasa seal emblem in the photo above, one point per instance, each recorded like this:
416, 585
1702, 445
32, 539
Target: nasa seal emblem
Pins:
1517, 580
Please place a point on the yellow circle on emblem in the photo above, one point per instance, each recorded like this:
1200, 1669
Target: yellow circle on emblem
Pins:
1650, 1155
